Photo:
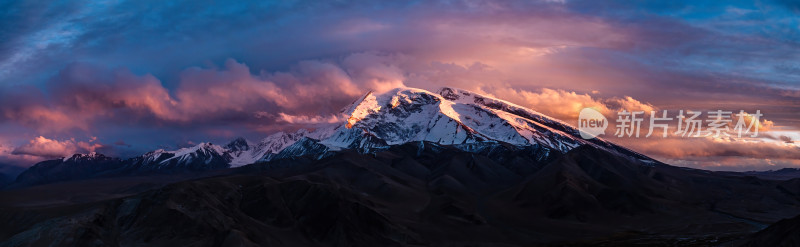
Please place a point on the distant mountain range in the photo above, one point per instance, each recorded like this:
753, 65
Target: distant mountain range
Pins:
374, 122
406, 168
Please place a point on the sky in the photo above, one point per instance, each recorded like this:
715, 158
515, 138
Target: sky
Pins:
126, 77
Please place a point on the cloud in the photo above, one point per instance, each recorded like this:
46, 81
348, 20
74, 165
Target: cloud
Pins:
84, 95
379, 72
49, 148
735, 163
688, 148
770, 149
629, 104
791, 93
566, 105
18, 160
81, 93
762, 124
292, 119
122, 143
44, 117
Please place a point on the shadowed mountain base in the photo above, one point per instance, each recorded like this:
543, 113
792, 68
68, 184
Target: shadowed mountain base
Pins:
423, 194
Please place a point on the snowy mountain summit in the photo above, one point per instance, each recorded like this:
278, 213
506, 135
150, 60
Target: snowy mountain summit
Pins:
402, 115
462, 119
449, 117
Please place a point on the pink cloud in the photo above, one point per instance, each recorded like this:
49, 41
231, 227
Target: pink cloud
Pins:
49, 148
21, 160
83, 95
45, 118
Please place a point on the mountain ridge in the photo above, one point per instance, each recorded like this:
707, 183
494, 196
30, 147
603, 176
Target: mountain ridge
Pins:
419, 194
408, 167
377, 121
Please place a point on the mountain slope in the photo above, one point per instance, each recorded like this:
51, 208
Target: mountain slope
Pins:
425, 194
785, 232
79, 166
201, 157
376, 122
204, 156
8, 173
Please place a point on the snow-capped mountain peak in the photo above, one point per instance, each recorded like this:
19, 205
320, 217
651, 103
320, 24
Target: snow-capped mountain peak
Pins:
378, 120
85, 157
202, 150
451, 116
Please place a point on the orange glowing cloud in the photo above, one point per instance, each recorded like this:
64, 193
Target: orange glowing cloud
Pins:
566, 105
